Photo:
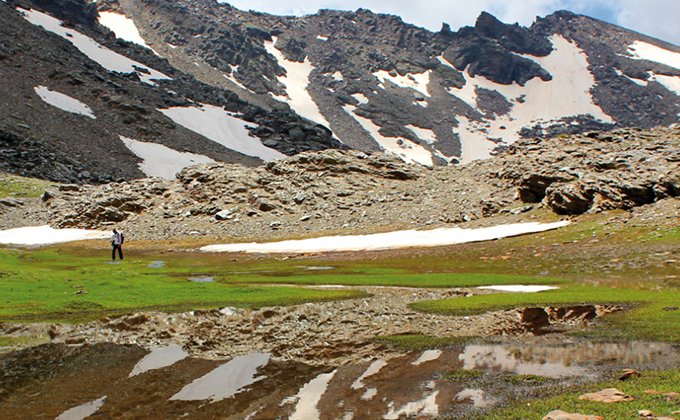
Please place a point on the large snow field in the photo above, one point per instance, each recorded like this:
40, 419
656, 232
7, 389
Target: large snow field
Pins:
537, 102
108, 59
64, 102
162, 161
641, 50
221, 127
296, 81
46, 235
390, 240
405, 148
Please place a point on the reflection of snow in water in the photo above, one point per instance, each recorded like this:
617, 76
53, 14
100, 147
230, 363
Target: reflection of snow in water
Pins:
369, 394
205, 279
478, 397
309, 397
390, 240
500, 359
372, 370
159, 358
519, 288
425, 407
64, 102
82, 411
427, 356
225, 381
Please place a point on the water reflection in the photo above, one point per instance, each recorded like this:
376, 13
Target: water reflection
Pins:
82, 411
167, 383
159, 358
226, 380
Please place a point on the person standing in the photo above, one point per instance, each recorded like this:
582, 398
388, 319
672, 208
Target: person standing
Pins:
117, 243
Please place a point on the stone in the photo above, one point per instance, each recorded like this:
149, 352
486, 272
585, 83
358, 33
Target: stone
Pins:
563, 415
629, 373
224, 215
609, 395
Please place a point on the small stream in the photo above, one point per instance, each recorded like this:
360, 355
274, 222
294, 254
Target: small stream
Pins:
57, 381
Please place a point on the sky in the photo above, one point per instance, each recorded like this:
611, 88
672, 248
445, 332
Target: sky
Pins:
656, 18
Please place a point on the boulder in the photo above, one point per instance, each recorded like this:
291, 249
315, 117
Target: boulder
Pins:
609, 395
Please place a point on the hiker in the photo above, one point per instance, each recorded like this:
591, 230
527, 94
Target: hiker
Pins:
117, 243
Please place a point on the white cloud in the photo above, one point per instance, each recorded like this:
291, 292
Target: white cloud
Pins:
656, 18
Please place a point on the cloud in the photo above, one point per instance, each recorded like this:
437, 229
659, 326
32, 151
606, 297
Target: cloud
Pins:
656, 18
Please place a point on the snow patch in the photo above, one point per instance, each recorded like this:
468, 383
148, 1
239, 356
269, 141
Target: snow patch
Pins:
46, 235
322, 38
361, 98
423, 133
416, 82
221, 127
404, 148
518, 288
105, 57
162, 161
64, 102
535, 103
672, 83
123, 27
296, 81
391, 240
632, 79
640, 50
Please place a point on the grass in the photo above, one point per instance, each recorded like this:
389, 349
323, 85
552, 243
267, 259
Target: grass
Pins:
566, 399
43, 285
647, 319
13, 185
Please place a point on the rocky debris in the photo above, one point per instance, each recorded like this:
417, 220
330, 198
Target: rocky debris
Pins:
563, 415
346, 191
597, 172
609, 395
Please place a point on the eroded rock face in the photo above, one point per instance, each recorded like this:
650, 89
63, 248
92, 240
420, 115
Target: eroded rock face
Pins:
597, 172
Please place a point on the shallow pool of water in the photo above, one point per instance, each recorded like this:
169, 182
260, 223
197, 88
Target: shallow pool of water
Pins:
77, 382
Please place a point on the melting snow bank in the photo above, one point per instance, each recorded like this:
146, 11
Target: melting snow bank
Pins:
64, 102
45, 235
391, 240
519, 288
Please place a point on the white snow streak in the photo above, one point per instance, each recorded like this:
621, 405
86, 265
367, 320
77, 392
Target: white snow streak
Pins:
640, 50
405, 148
162, 161
518, 288
123, 27
105, 57
82, 411
64, 102
391, 240
296, 81
221, 127
423, 133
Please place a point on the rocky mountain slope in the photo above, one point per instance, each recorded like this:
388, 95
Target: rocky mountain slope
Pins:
113, 90
334, 191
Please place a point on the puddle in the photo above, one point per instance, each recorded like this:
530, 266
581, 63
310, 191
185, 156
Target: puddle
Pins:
82, 411
205, 279
257, 386
518, 288
157, 264
159, 358
315, 268
225, 381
